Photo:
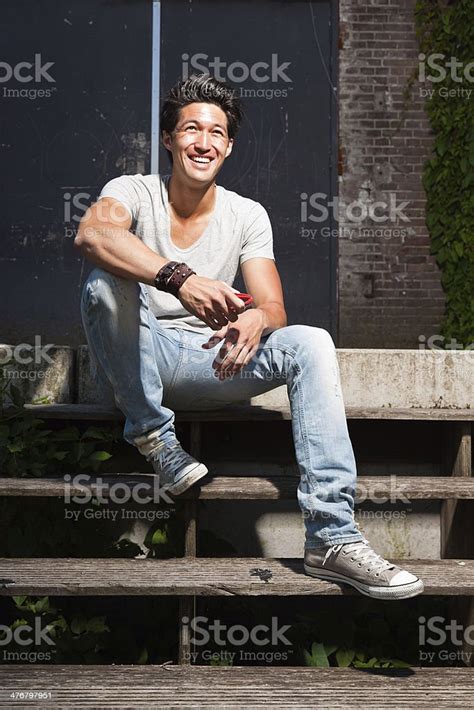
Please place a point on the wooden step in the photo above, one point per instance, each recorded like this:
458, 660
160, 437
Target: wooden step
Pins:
250, 412
203, 576
394, 488
235, 687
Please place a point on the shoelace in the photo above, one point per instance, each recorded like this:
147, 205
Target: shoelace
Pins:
169, 455
362, 552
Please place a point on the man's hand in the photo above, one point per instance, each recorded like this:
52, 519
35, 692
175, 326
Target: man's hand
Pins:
240, 343
211, 301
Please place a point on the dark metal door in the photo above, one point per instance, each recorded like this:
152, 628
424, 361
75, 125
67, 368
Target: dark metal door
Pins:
280, 57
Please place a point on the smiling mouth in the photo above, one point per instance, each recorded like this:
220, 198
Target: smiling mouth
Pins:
200, 159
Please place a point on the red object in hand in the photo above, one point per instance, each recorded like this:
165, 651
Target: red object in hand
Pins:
246, 298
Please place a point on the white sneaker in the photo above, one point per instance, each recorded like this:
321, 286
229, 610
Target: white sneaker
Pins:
357, 564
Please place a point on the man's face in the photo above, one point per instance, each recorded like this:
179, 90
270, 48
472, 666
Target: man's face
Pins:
200, 142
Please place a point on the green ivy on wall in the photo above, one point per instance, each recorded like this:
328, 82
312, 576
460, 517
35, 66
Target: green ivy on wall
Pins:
448, 179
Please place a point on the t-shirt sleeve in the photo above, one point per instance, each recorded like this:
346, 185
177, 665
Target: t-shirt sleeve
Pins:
258, 235
125, 190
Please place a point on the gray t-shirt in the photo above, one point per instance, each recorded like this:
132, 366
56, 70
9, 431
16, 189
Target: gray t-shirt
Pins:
239, 229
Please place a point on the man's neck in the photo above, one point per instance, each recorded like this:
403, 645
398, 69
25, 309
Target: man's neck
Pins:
191, 202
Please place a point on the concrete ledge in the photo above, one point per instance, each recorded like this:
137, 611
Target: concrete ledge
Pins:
369, 377
92, 388
39, 372
399, 378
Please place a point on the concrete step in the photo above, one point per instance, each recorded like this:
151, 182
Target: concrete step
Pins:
268, 408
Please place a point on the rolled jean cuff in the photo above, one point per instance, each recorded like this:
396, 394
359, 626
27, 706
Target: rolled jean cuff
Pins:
356, 537
148, 442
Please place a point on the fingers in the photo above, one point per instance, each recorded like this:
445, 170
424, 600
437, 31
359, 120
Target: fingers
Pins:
235, 305
232, 362
219, 314
216, 318
216, 338
228, 308
211, 301
232, 357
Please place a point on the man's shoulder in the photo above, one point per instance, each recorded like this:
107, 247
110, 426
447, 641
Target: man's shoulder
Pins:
140, 182
244, 206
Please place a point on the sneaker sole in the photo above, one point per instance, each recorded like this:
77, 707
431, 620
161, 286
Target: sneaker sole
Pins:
405, 591
187, 481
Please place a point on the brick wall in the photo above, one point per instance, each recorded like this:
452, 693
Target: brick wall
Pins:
389, 285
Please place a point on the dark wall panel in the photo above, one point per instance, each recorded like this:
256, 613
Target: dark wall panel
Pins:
81, 115
64, 133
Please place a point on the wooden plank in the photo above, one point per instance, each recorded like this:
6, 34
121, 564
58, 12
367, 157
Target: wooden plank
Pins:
456, 517
203, 577
237, 687
187, 605
249, 412
394, 488
462, 465
461, 609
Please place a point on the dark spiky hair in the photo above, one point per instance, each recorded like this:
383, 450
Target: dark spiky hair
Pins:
201, 88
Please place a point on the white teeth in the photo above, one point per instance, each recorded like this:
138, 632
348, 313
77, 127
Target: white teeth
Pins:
201, 160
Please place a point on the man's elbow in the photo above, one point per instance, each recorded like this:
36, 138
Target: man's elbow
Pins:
85, 239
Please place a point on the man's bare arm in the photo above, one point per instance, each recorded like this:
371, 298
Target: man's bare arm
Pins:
104, 238
263, 282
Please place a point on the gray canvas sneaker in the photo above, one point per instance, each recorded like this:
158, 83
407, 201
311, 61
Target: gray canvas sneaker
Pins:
176, 469
357, 564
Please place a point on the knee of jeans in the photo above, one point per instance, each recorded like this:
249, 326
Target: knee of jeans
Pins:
311, 336
102, 288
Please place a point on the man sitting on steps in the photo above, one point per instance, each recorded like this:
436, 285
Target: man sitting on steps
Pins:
166, 328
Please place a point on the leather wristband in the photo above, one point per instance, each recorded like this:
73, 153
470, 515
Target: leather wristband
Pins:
172, 276
164, 274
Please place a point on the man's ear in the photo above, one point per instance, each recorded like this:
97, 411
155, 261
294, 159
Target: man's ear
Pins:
229, 148
166, 140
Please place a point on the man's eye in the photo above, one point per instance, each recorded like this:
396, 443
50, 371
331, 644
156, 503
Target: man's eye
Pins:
191, 128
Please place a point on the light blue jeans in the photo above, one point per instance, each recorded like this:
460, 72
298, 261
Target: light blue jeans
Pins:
155, 370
